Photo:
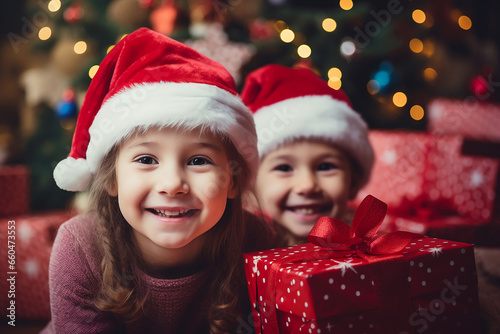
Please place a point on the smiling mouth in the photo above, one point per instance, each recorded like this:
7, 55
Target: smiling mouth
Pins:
172, 214
310, 209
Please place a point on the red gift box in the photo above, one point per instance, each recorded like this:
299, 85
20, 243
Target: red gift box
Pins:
400, 165
428, 183
29, 247
349, 281
14, 186
469, 118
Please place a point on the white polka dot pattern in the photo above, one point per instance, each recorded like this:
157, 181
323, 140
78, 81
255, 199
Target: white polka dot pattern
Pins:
340, 294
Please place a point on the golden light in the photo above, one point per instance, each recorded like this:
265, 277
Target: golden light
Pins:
280, 25
329, 25
418, 16
80, 47
429, 21
334, 74
110, 48
335, 84
93, 71
373, 87
416, 45
417, 112
44, 33
399, 99
287, 35
54, 5
304, 51
464, 22
346, 4
430, 74
429, 48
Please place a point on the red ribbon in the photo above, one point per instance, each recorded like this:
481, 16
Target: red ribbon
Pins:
360, 237
339, 239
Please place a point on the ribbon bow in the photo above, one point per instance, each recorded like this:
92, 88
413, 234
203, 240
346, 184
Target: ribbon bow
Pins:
361, 236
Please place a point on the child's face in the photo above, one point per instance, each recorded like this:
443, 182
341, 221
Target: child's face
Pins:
172, 187
302, 181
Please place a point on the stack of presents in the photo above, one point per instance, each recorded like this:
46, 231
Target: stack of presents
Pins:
26, 240
439, 187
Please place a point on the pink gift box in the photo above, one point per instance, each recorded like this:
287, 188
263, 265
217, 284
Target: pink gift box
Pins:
469, 118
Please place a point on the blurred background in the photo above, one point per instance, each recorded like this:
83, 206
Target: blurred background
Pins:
391, 57
423, 74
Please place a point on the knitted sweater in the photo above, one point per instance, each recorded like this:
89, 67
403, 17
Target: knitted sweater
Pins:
174, 305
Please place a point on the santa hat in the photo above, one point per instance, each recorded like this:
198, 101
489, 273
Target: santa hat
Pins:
293, 103
147, 80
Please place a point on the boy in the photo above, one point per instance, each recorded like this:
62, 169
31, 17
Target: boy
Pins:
314, 150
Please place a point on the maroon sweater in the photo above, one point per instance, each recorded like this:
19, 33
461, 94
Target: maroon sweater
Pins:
174, 305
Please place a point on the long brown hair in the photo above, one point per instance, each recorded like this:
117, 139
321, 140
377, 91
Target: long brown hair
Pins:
121, 291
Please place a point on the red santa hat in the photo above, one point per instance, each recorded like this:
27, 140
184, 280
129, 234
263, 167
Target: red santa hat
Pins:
147, 80
294, 103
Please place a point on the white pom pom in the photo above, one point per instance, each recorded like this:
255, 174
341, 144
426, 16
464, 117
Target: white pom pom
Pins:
73, 174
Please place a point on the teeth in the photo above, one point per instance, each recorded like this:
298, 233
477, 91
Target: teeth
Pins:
304, 211
166, 213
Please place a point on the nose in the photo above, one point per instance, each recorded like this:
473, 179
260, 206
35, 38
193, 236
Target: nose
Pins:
171, 181
306, 183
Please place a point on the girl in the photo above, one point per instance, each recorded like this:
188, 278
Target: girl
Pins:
168, 150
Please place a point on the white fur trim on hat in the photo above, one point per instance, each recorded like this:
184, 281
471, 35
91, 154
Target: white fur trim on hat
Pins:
315, 116
162, 104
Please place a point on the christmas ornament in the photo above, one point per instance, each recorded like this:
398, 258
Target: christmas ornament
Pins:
163, 18
67, 108
216, 46
73, 13
261, 30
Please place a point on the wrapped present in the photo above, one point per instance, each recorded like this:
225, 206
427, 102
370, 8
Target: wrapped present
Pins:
350, 280
15, 190
460, 183
400, 165
24, 257
469, 118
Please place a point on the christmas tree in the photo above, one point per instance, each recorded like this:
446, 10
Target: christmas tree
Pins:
390, 57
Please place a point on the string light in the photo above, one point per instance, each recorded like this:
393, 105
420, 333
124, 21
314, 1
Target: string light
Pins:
44, 33
347, 48
54, 5
335, 84
280, 25
430, 74
416, 45
287, 35
329, 24
346, 4
417, 112
304, 51
373, 87
464, 22
93, 71
399, 99
80, 47
418, 16
334, 74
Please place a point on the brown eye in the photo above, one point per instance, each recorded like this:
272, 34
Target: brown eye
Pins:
199, 161
146, 160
